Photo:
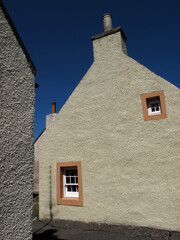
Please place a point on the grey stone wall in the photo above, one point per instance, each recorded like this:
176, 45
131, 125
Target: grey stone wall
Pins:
16, 137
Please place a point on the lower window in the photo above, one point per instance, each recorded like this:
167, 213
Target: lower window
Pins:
70, 179
69, 183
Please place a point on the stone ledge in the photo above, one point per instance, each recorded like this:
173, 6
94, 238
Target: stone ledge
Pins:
114, 30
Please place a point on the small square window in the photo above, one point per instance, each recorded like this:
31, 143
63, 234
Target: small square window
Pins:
69, 184
153, 105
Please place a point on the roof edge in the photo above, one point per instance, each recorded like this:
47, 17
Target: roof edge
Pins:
39, 135
104, 34
7, 16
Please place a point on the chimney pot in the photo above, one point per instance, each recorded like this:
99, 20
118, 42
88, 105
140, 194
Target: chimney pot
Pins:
107, 22
53, 107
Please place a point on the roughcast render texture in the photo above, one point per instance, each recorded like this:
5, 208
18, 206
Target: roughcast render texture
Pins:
36, 165
49, 119
129, 166
16, 136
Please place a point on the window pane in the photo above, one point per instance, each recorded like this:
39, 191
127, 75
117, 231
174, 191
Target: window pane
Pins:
152, 104
156, 104
67, 172
72, 179
75, 172
157, 108
153, 109
76, 179
74, 188
69, 188
72, 172
67, 179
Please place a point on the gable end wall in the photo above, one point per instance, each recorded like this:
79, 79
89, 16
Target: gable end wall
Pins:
129, 166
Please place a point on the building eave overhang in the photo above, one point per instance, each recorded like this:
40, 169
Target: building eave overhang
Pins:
104, 34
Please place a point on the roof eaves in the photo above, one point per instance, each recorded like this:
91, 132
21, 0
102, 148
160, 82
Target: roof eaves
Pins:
39, 135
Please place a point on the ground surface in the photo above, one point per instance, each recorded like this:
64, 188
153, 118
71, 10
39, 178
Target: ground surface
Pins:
67, 230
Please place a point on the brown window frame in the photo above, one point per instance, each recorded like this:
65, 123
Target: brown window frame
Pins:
145, 97
61, 200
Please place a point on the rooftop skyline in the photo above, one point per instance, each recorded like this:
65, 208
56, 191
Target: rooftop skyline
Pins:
57, 35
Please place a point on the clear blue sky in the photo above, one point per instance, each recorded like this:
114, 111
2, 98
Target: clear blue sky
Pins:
57, 35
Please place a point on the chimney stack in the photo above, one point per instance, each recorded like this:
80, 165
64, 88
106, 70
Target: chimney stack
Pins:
113, 41
53, 107
50, 118
107, 22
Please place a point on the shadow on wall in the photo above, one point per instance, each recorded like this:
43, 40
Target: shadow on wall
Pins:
46, 235
50, 200
50, 233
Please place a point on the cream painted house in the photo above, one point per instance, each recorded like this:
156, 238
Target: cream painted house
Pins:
112, 153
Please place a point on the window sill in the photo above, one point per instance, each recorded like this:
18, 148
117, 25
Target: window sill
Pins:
155, 117
72, 201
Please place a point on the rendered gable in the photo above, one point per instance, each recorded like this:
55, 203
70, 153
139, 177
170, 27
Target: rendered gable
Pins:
128, 166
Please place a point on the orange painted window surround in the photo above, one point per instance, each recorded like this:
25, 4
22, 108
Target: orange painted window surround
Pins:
148, 96
61, 200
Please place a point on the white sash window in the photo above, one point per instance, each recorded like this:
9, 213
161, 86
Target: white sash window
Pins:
154, 106
70, 180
